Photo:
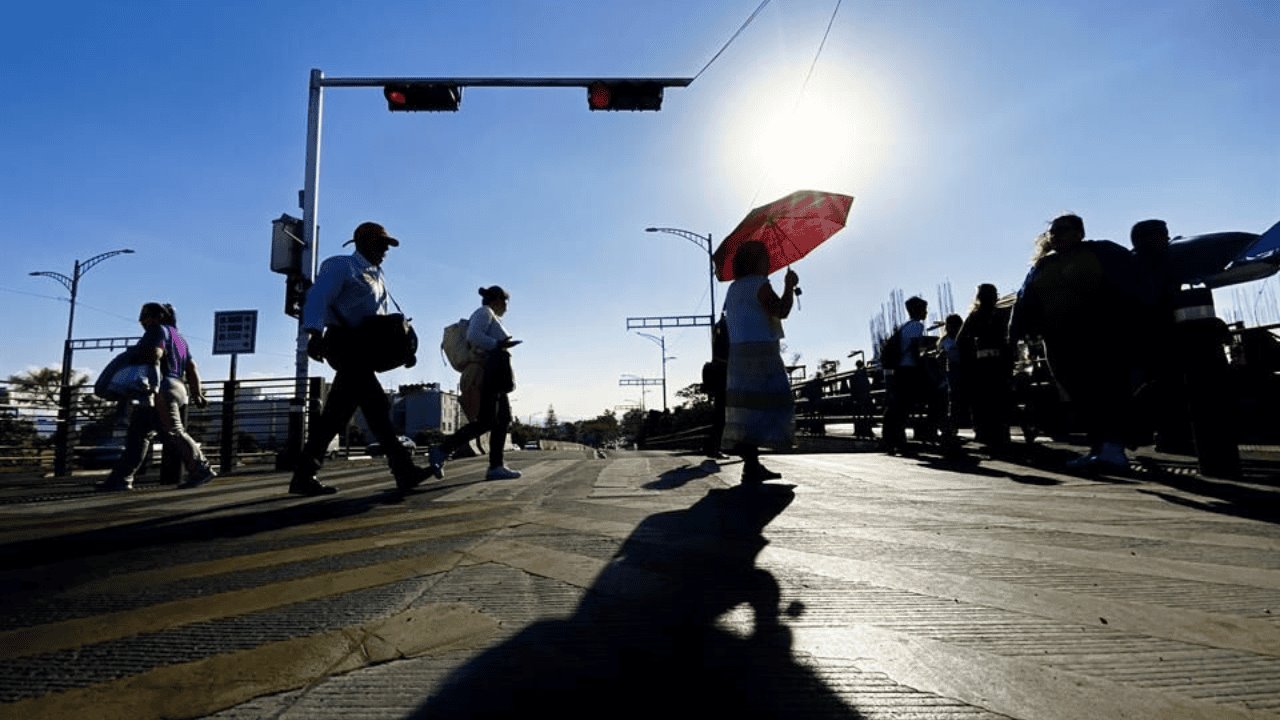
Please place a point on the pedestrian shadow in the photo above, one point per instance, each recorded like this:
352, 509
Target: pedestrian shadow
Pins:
648, 639
678, 477
216, 521
1225, 497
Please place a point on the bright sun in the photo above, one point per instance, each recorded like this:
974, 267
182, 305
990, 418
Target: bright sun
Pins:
834, 139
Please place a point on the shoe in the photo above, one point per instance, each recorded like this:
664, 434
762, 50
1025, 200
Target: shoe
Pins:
1099, 462
412, 477
310, 486
436, 458
1112, 458
502, 472
203, 476
110, 485
1084, 462
758, 474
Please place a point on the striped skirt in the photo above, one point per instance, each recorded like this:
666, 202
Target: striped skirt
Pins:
759, 406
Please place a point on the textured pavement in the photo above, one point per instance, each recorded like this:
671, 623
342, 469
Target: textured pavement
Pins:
644, 584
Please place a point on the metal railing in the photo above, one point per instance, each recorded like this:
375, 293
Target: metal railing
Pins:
242, 424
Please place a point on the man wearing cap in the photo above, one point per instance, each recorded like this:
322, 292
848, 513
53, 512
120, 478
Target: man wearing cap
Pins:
349, 289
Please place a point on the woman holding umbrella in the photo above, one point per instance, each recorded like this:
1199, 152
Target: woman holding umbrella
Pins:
760, 409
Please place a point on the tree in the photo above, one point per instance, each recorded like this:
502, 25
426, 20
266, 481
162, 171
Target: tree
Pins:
41, 389
694, 396
631, 425
551, 424
599, 431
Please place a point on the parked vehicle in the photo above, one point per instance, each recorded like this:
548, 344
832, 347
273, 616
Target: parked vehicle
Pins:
374, 449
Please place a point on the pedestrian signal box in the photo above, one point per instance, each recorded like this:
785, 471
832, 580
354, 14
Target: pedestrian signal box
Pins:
422, 97
286, 245
624, 95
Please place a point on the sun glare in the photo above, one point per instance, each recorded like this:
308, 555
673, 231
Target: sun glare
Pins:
834, 139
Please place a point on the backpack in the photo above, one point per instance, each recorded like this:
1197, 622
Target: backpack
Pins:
455, 346
891, 350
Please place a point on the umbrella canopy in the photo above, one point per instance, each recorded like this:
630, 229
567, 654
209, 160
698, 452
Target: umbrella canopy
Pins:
789, 227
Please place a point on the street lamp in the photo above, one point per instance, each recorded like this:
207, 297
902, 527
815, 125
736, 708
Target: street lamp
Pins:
704, 242
662, 344
72, 284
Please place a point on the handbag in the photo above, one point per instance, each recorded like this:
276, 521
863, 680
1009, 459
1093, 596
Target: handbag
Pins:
388, 341
379, 342
123, 379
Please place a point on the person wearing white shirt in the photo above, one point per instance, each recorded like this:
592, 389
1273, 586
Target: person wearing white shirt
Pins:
349, 289
760, 408
909, 384
492, 344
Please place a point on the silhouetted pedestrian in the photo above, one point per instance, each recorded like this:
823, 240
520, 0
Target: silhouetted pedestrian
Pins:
760, 406
488, 336
348, 290
984, 349
163, 411
910, 383
860, 396
1084, 298
715, 376
957, 405
1161, 401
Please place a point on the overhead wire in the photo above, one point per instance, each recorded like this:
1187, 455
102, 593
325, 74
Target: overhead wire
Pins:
751, 17
800, 95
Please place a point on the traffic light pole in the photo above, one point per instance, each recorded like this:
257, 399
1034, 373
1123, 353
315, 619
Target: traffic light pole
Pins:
310, 262
310, 193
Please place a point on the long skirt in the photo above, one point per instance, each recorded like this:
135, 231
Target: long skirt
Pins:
759, 405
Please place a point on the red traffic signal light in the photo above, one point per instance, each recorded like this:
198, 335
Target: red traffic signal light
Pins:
624, 95
422, 97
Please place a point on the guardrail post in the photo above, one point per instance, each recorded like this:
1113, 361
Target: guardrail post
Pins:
227, 441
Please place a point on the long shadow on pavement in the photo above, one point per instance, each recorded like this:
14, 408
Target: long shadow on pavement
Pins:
645, 642
217, 521
1250, 502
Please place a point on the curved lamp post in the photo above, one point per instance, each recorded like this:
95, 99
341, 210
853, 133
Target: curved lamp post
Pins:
662, 344
72, 284
704, 242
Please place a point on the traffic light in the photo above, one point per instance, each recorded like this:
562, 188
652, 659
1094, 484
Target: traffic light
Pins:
295, 294
624, 95
422, 97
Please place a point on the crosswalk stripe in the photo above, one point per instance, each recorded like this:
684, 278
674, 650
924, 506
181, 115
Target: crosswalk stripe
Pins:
229, 679
79, 632
336, 548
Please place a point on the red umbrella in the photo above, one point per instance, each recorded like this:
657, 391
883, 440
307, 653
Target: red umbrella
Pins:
789, 228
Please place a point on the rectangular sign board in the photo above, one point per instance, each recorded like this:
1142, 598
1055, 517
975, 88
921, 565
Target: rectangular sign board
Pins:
235, 332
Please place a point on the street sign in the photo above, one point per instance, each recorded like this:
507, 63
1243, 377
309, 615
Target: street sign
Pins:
235, 332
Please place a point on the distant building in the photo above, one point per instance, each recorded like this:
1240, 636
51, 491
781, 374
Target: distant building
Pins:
419, 407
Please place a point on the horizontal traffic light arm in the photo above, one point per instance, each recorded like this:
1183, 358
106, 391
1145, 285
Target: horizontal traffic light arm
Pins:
497, 82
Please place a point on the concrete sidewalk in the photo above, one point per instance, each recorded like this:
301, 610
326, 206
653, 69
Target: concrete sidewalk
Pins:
648, 584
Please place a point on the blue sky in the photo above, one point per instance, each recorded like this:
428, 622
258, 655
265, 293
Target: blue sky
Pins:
177, 129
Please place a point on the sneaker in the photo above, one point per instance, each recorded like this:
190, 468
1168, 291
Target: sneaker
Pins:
110, 485
305, 483
203, 476
1112, 458
1083, 462
436, 458
502, 472
412, 477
